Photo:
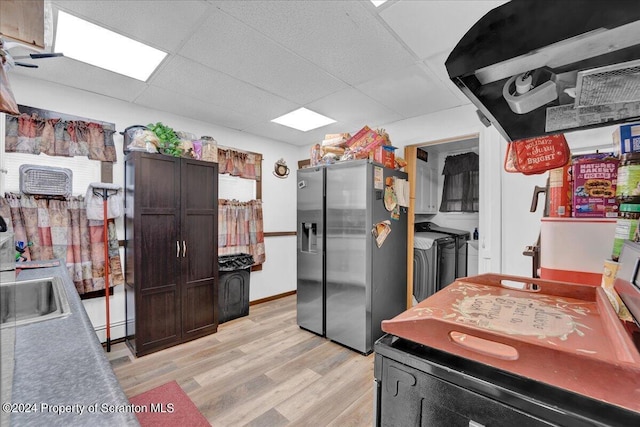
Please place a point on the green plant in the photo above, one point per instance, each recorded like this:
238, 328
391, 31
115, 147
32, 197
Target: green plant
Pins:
169, 141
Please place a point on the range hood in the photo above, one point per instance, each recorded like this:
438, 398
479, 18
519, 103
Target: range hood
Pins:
536, 68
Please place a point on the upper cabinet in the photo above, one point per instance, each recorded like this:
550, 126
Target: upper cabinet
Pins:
23, 21
426, 188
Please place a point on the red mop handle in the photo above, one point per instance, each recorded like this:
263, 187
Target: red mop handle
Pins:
106, 268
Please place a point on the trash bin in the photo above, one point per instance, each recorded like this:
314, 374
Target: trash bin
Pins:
233, 289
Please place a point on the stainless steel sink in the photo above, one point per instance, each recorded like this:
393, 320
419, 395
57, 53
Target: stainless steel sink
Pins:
34, 300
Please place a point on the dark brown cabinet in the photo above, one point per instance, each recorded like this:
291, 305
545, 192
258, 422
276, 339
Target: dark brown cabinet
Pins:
171, 256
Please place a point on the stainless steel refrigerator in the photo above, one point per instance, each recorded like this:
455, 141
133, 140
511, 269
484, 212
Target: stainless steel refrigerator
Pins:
347, 284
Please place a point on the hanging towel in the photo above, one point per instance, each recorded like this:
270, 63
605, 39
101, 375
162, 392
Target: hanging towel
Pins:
95, 199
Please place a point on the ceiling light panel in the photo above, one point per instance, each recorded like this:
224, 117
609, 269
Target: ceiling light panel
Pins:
95, 45
303, 119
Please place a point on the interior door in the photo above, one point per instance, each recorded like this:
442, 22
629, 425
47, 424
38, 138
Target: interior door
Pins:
198, 248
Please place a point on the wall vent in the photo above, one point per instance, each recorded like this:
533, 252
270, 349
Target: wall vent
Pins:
45, 180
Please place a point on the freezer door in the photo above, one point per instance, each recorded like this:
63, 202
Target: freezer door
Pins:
348, 229
310, 250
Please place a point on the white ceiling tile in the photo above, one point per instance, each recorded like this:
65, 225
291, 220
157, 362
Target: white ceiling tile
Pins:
69, 72
186, 106
292, 136
341, 37
352, 108
411, 92
182, 75
162, 24
240, 64
227, 45
429, 27
435, 63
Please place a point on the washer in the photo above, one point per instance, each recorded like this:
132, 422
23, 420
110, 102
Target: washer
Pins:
461, 238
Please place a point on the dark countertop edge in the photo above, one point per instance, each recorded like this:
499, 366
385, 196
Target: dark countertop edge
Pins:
70, 369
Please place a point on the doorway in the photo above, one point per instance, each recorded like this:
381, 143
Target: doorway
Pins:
424, 167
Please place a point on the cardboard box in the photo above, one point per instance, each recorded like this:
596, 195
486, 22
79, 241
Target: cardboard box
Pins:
594, 185
362, 138
560, 191
627, 138
385, 156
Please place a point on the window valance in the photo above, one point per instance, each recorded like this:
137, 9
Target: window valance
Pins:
38, 131
239, 163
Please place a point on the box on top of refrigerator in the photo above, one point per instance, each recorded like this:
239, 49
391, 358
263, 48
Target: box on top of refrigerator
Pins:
594, 185
627, 138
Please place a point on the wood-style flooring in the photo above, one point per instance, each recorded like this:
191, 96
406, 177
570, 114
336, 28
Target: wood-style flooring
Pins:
260, 370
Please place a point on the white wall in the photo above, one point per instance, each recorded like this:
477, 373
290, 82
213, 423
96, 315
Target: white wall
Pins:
279, 271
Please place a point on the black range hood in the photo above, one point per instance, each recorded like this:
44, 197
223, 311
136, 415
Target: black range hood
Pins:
536, 68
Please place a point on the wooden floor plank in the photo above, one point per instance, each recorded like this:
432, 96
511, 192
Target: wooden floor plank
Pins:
260, 370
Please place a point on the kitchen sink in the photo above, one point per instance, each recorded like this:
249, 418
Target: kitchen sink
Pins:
35, 300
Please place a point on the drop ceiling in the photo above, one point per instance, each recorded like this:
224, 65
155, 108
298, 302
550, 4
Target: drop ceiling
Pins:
240, 64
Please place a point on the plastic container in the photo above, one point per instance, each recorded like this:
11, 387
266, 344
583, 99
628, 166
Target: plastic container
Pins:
626, 227
7, 252
574, 249
233, 289
628, 180
209, 149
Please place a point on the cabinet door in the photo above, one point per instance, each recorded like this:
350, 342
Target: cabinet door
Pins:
432, 190
199, 238
23, 20
156, 236
426, 188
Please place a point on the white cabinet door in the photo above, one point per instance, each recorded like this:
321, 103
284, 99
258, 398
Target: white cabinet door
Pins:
426, 189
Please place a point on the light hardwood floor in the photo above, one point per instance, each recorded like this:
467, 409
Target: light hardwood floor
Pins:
260, 370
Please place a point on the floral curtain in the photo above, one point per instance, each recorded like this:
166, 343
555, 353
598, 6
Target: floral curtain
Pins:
239, 163
461, 189
59, 229
30, 133
240, 229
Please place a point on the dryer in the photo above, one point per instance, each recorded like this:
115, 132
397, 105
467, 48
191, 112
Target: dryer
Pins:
434, 263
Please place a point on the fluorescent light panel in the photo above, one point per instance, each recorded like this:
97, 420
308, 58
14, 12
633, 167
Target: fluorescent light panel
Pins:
95, 45
377, 3
303, 119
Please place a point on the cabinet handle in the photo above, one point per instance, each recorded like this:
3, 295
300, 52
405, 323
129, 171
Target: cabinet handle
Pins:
177, 249
184, 249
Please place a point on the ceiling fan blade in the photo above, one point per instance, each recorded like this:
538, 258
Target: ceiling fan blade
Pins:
24, 64
39, 55
45, 55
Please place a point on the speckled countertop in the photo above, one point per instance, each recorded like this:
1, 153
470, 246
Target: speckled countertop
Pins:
61, 373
